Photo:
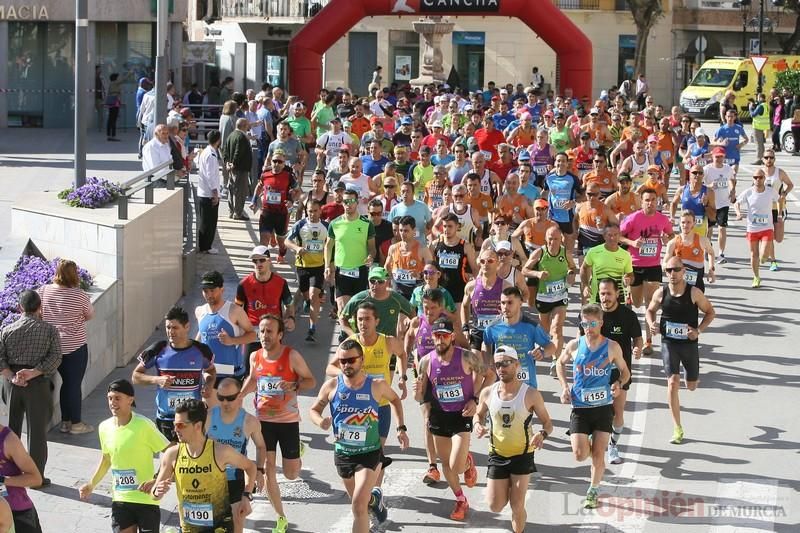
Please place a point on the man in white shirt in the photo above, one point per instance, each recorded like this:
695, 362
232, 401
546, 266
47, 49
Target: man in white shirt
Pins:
208, 171
157, 149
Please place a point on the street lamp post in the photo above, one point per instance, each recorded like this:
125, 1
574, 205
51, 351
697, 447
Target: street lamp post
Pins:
81, 75
760, 40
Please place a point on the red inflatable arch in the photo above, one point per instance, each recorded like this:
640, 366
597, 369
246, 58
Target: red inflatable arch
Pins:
573, 48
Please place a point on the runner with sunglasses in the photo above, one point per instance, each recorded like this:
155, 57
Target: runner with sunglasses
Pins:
277, 373
680, 304
406, 259
758, 200
593, 215
228, 423
447, 379
280, 189
481, 304
431, 276
197, 466
510, 405
354, 399
592, 394
779, 180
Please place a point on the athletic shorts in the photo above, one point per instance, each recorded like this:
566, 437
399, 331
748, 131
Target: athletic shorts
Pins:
348, 465
236, 487
446, 424
566, 227
675, 354
167, 428
125, 515
406, 291
774, 216
722, 218
348, 285
384, 420
642, 274
27, 521
548, 307
763, 235
475, 338
587, 241
276, 222
285, 434
310, 277
590, 419
504, 467
615, 373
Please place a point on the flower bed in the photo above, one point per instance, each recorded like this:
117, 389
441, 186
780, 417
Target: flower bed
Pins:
97, 192
30, 273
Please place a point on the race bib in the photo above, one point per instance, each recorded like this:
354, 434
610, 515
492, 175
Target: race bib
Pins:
649, 248
720, 184
594, 396
353, 435
448, 260
124, 479
403, 276
666, 154
483, 321
555, 287
699, 220
561, 200
350, 272
522, 375
540, 169
690, 276
676, 330
450, 393
594, 144
175, 398
269, 386
377, 376
198, 514
274, 198
314, 246
729, 161
760, 220
4, 494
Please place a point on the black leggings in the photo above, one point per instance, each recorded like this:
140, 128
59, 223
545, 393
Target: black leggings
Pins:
111, 125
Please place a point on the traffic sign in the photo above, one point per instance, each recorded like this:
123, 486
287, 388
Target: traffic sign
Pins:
759, 62
700, 43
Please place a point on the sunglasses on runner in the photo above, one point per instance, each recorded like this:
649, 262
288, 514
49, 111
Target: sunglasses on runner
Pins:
670, 270
589, 323
490, 261
349, 201
377, 281
258, 261
279, 161
429, 272
182, 425
349, 360
504, 363
229, 398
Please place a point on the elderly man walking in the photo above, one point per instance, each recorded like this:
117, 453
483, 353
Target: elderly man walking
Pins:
30, 353
238, 156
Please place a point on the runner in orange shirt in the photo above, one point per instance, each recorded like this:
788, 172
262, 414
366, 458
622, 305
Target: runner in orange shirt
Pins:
624, 201
601, 176
655, 181
512, 205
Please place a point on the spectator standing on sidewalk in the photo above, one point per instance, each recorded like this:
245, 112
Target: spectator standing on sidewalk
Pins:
208, 185
760, 111
238, 156
67, 307
30, 353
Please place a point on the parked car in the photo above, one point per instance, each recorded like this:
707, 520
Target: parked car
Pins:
787, 139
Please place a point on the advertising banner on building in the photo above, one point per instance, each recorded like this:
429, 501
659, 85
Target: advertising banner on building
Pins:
402, 68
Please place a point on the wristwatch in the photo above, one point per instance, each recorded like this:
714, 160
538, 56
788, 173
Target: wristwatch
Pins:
544, 433
402, 427
404, 378
247, 495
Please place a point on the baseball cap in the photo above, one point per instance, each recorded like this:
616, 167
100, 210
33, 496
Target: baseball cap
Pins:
437, 124
652, 139
594, 111
523, 156
186, 112
211, 280
406, 121
700, 132
502, 245
719, 150
505, 351
540, 202
340, 186
442, 325
548, 113
525, 116
654, 168
624, 176
586, 135
259, 251
297, 106
378, 272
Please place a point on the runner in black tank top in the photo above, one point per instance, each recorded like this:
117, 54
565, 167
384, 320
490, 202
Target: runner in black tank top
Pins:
452, 261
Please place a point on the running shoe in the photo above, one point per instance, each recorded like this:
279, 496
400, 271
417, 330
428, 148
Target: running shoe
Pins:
310, 336
281, 525
460, 510
773, 266
721, 259
471, 474
377, 506
648, 348
80, 428
613, 455
677, 435
432, 476
553, 372
591, 499
756, 283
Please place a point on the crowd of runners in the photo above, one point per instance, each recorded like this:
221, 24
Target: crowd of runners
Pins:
454, 236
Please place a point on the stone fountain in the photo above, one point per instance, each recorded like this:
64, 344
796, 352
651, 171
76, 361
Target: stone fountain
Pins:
432, 29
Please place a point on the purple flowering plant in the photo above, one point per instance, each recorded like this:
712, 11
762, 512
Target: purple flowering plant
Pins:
30, 273
97, 192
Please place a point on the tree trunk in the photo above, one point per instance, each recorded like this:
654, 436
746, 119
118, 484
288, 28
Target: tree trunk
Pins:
640, 56
788, 46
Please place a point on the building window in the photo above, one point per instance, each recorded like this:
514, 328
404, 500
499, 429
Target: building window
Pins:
403, 56
627, 52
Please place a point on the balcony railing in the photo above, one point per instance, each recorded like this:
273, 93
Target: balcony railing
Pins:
579, 4
272, 8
